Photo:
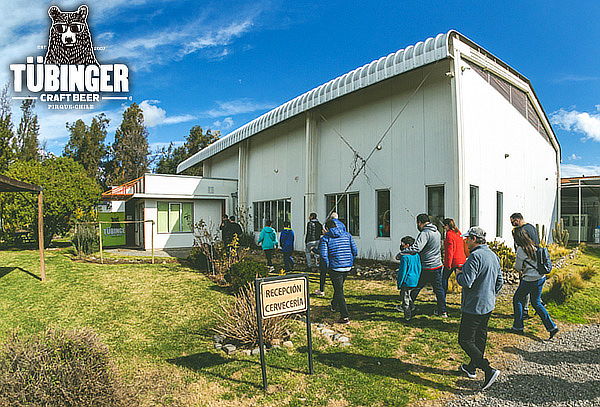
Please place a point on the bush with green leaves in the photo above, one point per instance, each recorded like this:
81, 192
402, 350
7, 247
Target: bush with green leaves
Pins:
248, 240
244, 272
198, 259
85, 239
506, 254
68, 191
58, 368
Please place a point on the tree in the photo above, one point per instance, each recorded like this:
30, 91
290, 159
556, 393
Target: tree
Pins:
194, 142
86, 144
7, 135
129, 152
68, 190
28, 145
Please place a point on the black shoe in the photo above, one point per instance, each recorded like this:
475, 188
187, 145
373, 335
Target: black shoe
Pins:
526, 315
344, 321
471, 373
490, 377
514, 330
553, 332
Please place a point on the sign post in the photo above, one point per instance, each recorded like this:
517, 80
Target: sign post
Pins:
278, 296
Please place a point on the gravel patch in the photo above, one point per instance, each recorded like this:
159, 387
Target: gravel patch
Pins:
564, 372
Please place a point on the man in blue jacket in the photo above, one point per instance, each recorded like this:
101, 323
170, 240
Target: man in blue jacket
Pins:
481, 280
338, 250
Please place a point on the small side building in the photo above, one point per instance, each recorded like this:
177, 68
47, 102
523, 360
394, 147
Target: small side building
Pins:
580, 208
166, 208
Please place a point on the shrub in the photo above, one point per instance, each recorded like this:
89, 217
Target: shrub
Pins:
247, 240
557, 251
58, 368
244, 272
237, 321
588, 272
85, 239
198, 259
506, 255
563, 286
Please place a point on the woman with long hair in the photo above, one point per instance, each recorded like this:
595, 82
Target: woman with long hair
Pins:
532, 283
454, 251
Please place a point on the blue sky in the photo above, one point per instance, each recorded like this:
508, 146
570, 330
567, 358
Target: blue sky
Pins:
220, 64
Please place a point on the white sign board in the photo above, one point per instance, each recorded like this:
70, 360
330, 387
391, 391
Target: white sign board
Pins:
282, 297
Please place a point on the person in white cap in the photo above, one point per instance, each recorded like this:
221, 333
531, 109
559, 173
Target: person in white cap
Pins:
481, 280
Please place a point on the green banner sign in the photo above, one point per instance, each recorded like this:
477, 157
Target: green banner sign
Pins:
113, 234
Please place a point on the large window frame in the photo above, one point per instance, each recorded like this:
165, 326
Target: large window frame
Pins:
174, 217
499, 212
436, 206
277, 211
347, 206
473, 205
383, 205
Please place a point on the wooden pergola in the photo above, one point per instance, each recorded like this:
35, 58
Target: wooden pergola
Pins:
8, 184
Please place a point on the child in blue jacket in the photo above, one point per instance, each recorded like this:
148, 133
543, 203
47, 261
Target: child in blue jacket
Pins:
286, 239
408, 276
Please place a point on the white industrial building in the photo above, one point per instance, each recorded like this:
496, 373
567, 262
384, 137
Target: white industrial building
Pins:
445, 126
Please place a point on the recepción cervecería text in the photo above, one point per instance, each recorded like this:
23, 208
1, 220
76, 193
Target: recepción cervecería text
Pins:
275, 292
284, 305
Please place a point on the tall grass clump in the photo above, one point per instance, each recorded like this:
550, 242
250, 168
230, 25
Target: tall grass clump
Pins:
563, 285
85, 239
58, 368
588, 272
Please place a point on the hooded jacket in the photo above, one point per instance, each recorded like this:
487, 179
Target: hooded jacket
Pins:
337, 248
267, 238
409, 271
286, 238
428, 245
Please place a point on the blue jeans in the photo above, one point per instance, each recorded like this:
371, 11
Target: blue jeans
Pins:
433, 277
534, 290
288, 261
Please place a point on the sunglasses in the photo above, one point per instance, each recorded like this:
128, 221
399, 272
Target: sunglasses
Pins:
62, 28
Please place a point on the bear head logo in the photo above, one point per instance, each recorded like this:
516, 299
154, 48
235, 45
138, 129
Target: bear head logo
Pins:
70, 41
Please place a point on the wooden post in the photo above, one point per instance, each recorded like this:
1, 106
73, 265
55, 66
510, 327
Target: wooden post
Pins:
41, 235
100, 234
152, 239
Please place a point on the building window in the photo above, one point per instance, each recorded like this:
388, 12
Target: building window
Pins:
499, 211
474, 206
347, 207
277, 212
175, 217
435, 201
383, 213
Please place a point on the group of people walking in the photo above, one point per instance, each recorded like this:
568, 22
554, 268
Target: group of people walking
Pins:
476, 266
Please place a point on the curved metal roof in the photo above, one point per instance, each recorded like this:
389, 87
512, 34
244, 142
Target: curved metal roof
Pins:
414, 56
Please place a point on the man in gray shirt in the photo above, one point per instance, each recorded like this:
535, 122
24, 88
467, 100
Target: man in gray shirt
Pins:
481, 281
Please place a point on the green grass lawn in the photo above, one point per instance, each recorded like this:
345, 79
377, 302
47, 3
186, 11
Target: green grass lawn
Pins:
157, 321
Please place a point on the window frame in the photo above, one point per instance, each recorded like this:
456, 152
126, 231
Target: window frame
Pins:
499, 213
181, 217
352, 226
429, 188
377, 214
473, 214
272, 207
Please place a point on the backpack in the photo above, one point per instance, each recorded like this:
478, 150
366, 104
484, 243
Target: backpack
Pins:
543, 263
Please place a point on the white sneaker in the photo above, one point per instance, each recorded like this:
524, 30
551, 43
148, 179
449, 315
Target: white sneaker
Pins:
319, 293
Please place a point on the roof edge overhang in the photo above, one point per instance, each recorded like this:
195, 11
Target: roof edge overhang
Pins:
412, 57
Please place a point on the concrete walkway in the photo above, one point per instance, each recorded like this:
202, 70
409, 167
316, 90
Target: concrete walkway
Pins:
180, 253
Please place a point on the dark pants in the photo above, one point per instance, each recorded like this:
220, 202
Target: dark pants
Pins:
472, 337
269, 256
339, 301
288, 261
433, 277
322, 276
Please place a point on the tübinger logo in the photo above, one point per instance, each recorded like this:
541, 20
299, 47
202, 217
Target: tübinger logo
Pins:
70, 66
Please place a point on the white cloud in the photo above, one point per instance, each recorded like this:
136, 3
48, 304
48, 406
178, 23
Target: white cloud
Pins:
221, 36
574, 157
161, 144
156, 116
572, 170
224, 124
53, 123
584, 123
237, 106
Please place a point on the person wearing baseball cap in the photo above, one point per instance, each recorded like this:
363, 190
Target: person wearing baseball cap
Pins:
481, 281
